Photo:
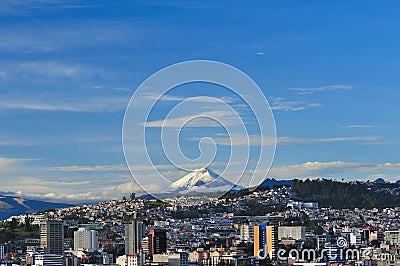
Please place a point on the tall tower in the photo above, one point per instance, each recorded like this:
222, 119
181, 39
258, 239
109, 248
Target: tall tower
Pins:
134, 233
265, 240
52, 237
86, 239
1, 251
157, 241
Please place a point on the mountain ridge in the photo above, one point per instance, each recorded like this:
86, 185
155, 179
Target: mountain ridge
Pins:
13, 205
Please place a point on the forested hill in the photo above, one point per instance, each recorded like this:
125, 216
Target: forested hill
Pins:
335, 194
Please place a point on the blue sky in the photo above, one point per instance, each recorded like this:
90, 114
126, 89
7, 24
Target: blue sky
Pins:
68, 69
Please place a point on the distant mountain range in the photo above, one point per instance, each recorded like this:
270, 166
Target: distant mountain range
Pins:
380, 180
273, 182
11, 205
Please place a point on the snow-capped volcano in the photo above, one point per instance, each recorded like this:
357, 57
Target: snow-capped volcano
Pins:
202, 178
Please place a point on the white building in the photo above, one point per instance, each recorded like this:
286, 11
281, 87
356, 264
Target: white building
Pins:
86, 239
178, 259
292, 232
145, 245
47, 260
355, 239
246, 232
393, 237
129, 260
1, 251
310, 205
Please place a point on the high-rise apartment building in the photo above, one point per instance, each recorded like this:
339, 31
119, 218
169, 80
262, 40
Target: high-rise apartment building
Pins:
86, 239
157, 241
134, 233
292, 232
52, 237
1, 251
265, 240
246, 232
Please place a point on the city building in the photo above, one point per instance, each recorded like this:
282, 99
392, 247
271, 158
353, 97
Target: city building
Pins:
157, 241
393, 237
292, 232
134, 233
129, 260
47, 260
333, 253
246, 232
355, 239
52, 237
86, 239
1, 251
178, 259
145, 245
71, 260
265, 240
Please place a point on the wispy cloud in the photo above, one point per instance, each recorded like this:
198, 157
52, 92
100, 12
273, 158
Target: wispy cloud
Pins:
98, 104
46, 37
88, 168
331, 169
202, 119
283, 105
14, 143
323, 88
255, 140
198, 99
124, 168
54, 69
294, 140
360, 126
8, 161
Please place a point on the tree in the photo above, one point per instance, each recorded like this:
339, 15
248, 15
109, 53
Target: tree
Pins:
13, 224
28, 226
133, 196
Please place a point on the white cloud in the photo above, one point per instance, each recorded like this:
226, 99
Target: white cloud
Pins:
293, 140
198, 99
13, 143
96, 104
47, 37
333, 169
87, 168
7, 161
255, 140
130, 187
53, 69
323, 88
280, 104
202, 119
360, 126
68, 197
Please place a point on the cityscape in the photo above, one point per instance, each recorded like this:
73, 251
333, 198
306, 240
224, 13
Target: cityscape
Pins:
134, 231
199, 133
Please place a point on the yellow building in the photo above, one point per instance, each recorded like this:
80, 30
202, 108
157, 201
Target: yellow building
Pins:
265, 240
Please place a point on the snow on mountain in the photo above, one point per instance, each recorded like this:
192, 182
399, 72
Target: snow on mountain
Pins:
202, 178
